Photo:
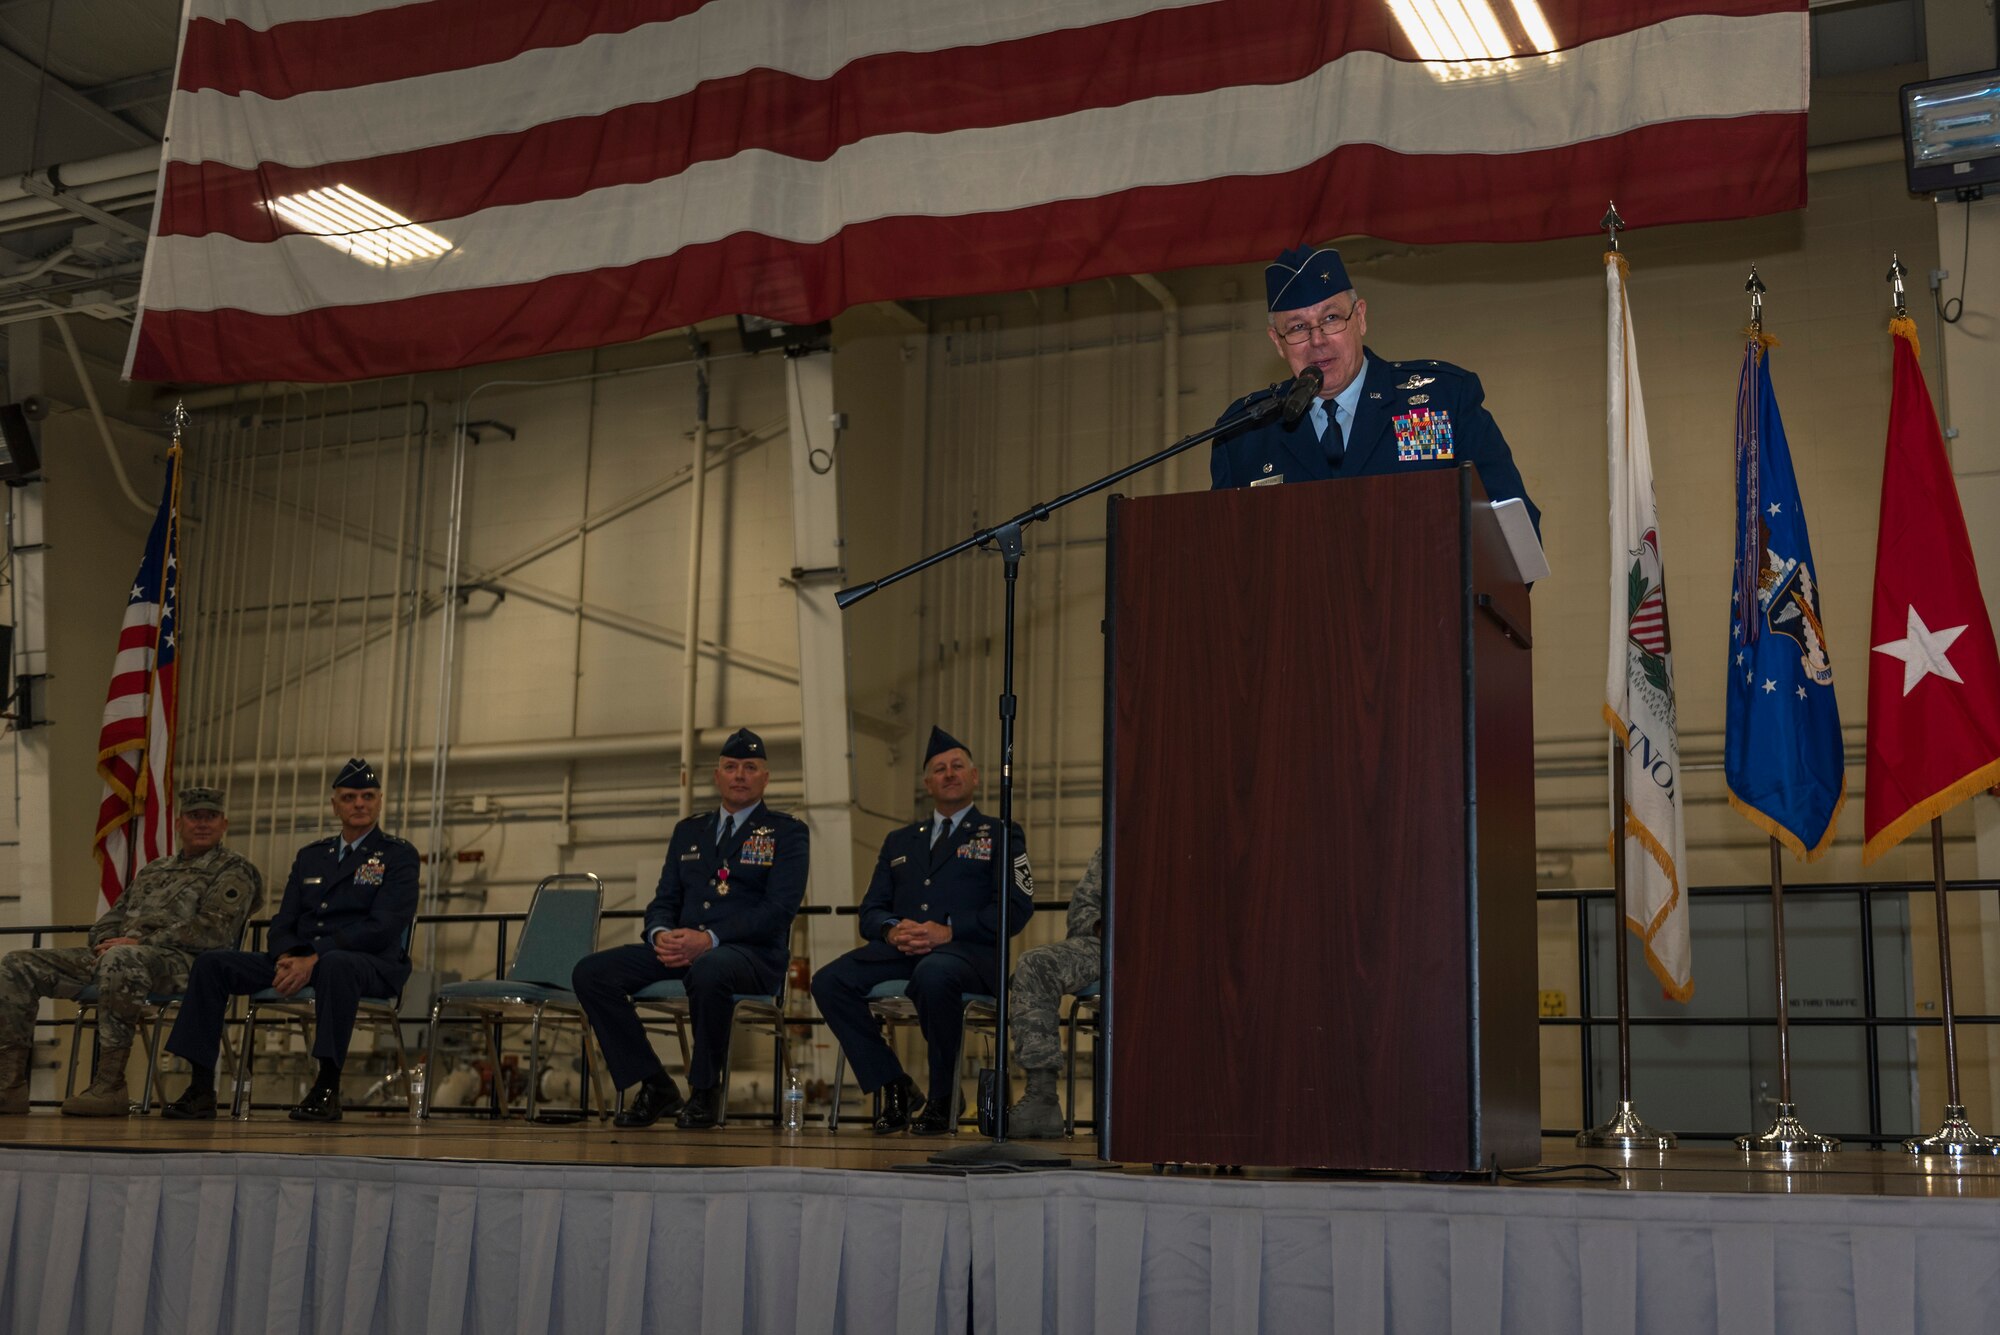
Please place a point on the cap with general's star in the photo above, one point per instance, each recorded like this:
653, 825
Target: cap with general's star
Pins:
1303, 277
744, 744
200, 799
941, 742
357, 773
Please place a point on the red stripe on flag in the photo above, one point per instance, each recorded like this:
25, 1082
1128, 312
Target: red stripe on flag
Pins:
1747, 166
410, 41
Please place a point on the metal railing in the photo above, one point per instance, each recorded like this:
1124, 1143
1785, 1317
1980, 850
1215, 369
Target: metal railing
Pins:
1870, 1022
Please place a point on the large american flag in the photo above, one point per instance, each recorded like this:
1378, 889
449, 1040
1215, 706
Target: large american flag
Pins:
354, 188
135, 744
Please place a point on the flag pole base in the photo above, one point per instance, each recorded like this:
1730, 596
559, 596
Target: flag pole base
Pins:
1625, 1131
1788, 1135
1956, 1138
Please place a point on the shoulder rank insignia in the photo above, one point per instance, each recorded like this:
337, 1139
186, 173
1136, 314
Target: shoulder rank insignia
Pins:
1417, 382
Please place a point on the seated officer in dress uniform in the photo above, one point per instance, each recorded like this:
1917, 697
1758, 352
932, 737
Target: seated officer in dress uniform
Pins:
1372, 416
931, 915
722, 920
340, 930
195, 899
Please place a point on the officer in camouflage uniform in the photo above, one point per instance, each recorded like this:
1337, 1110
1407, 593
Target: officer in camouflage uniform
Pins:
1043, 977
178, 906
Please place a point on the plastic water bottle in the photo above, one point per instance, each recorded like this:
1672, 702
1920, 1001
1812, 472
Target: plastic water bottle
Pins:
795, 1103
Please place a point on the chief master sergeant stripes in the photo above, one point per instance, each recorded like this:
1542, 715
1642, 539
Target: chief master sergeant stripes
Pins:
178, 906
340, 930
931, 917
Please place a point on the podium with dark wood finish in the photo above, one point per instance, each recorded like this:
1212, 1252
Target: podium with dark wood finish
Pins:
1321, 852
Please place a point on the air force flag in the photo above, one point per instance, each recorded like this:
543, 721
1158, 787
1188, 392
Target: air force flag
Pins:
1781, 752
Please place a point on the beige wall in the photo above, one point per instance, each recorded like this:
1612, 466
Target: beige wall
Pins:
997, 402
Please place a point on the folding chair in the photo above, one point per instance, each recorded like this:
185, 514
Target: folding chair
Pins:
158, 1006
889, 1003
560, 930
756, 1011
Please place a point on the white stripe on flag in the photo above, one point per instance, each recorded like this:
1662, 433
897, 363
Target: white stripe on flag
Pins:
650, 63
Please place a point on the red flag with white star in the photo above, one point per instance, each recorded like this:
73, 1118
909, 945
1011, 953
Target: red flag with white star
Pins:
1933, 673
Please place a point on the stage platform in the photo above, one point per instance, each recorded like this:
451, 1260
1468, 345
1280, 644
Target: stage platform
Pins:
464, 1225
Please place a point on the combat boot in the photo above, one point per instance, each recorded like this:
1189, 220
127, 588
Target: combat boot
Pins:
106, 1096
1037, 1116
14, 1080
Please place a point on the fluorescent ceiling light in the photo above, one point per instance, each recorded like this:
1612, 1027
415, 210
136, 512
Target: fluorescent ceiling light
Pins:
354, 224
1470, 33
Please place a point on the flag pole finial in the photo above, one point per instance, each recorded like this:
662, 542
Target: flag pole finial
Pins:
1895, 280
1612, 225
178, 418
1755, 287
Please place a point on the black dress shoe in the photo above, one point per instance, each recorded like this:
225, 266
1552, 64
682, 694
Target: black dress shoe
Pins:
321, 1104
655, 1098
194, 1105
703, 1111
900, 1102
936, 1121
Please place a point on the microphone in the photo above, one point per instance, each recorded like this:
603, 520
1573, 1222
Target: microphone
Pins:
1304, 390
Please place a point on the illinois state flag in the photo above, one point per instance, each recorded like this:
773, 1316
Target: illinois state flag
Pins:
1781, 752
1639, 688
1933, 675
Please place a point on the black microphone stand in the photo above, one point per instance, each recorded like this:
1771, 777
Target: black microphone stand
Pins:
1006, 539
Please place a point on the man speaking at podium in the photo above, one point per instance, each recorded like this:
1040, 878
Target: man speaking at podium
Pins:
1370, 416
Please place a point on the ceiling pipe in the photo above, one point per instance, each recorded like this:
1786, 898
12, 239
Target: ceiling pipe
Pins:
665, 746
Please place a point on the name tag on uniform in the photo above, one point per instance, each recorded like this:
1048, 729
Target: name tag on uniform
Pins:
314, 880
1268, 481
897, 862
691, 857
759, 850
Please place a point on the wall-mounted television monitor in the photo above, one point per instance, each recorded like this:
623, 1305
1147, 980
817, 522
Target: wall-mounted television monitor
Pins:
1951, 134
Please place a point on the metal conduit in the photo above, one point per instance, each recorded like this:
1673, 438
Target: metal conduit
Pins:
697, 504
447, 633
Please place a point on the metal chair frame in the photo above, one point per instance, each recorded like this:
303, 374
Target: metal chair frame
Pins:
1078, 1003
158, 1006
301, 1011
754, 1011
896, 1009
546, 1000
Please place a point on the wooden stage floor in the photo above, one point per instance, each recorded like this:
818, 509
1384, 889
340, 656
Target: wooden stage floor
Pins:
1695, 1168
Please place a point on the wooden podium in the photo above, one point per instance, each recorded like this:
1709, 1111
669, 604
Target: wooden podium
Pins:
1321, 817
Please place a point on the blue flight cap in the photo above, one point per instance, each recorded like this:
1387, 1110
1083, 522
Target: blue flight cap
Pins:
1303, 277
744, 744
357, 773
941, 742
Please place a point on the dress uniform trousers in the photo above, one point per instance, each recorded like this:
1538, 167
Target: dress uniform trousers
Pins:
939, 983
340, 979
606, 981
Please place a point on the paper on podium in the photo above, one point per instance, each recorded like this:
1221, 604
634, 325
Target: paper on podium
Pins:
1530, 563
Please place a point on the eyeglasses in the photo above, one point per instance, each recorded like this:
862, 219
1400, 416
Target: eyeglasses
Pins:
1329, 325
